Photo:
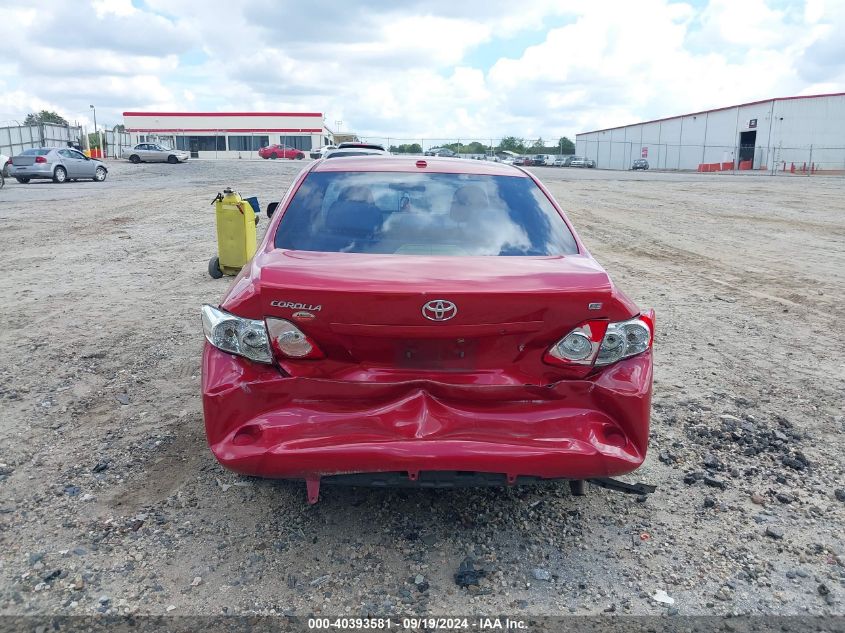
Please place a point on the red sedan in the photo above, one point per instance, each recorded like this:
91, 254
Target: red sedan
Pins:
425, 322
281, 151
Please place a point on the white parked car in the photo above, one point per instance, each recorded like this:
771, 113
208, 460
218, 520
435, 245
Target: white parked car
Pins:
155, 153
321, 152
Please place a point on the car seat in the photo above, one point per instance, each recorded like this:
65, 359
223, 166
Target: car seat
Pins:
353, 217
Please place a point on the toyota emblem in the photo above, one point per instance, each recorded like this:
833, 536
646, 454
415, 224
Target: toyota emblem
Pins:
439, 310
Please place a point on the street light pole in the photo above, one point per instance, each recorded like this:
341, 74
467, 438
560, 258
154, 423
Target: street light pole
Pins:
95, 121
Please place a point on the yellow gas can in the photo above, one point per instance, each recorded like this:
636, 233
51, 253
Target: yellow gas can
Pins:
236, 222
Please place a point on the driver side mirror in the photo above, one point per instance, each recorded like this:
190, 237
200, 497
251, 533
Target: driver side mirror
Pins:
271, 209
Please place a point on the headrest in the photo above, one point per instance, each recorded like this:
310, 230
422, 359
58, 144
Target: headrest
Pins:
356, 193
467, 201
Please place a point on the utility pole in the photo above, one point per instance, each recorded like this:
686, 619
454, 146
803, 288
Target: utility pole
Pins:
95, 122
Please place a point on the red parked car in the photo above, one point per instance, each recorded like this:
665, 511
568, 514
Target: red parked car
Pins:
281, 151
425, 322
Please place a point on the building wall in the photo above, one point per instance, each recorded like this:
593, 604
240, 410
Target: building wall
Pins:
796, 130
301, 130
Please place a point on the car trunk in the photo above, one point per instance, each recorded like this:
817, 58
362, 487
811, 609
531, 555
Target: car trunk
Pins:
23, 161
366, 312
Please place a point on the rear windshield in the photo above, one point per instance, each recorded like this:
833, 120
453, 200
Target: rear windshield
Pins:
35, 152
423, 214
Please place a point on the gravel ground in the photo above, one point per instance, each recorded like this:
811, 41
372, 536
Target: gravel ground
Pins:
111, 502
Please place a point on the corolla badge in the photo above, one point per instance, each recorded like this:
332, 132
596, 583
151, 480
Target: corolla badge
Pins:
439, 310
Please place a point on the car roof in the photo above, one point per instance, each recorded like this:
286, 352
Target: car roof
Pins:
434, 164
356, 144
354, 151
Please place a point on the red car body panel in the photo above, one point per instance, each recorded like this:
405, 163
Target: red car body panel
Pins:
397, 393
280, 151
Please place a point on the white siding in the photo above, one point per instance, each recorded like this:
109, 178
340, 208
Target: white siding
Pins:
798, 130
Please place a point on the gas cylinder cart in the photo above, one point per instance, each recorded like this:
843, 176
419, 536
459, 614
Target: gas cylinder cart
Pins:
236, 219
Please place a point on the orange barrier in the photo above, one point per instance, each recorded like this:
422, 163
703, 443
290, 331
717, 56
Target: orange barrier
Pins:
727, 166
746, 164
710, 167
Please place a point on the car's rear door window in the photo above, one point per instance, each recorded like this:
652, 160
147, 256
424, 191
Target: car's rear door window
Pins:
423, 214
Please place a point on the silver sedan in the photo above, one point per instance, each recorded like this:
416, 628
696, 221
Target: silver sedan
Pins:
155, 153
59, 164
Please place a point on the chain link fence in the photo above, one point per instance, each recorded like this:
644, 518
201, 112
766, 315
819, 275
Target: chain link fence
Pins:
115, 142
468, 147
246, 145
17, 138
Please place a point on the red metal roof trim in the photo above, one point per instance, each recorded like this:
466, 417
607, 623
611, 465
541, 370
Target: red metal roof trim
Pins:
739, 105
217, 129
319, 114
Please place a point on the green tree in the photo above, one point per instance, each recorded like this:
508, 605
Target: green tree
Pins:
45, 116
512, 144
475, 148
405, 148
565, 146
538, 144
94, 140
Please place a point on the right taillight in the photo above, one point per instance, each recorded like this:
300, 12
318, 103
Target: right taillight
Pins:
600, 343
626, 338
579, 347
289, 342
40, 159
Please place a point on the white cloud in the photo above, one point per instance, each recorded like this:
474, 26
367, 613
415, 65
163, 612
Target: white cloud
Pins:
404, 70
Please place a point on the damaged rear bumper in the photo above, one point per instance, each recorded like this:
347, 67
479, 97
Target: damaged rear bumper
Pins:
261, 423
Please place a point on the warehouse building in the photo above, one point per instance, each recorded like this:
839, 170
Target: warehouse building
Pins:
227, 134
806, 132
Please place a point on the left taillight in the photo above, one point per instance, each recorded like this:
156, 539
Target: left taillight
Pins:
289, 342
233, 334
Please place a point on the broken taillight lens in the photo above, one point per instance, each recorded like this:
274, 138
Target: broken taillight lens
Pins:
233, 334
602, 343
579, 347
289, 342
626, 338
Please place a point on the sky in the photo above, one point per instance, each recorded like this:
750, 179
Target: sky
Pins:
417, 69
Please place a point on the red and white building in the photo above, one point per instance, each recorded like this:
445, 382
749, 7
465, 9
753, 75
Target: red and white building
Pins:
228, 134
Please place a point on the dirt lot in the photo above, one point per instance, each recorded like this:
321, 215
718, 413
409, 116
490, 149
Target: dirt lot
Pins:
110, 500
